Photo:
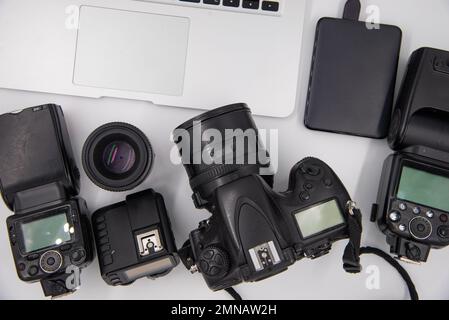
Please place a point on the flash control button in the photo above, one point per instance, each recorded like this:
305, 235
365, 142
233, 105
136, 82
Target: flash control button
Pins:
443, 232
420, 228
395, 216
32, 257
78, 256
33, 270
51, 261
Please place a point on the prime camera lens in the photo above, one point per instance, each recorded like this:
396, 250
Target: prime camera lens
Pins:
117, 156
220, 146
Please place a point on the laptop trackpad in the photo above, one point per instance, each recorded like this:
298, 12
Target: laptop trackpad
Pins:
131, 51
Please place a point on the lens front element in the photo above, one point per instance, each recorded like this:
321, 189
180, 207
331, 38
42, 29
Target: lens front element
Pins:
119, 157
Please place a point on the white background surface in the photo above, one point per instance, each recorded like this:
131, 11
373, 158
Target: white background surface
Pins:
357, 161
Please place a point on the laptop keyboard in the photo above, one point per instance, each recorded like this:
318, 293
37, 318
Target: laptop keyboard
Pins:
268, 7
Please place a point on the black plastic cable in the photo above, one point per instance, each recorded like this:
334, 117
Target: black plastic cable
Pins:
234, 294
404, 274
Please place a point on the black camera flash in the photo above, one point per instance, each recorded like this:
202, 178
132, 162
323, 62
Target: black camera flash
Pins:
134, 239
412, 202
49, 231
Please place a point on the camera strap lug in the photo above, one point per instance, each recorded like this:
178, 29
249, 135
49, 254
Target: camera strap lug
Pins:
351, 256
186, 255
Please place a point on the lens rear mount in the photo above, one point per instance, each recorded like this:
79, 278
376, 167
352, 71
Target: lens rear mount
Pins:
117, 157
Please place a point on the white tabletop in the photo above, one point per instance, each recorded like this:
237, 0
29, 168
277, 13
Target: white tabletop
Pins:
358, 162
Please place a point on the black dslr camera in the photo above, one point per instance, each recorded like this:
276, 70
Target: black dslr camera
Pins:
49, 232
413, 201
255, 232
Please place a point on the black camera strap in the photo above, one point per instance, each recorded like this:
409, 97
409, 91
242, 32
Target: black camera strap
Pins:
351, 256
395, 264
234, 294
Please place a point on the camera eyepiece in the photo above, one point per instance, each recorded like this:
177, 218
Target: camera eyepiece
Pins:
117, 156
220, 146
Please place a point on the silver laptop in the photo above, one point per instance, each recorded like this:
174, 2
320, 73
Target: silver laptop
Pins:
186, 53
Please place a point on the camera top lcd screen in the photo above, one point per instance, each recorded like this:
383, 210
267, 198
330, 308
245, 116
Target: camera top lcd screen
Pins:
319, 218
46, 232
424, 188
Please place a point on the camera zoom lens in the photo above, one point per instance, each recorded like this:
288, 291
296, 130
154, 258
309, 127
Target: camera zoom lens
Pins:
232, 150
119, 157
